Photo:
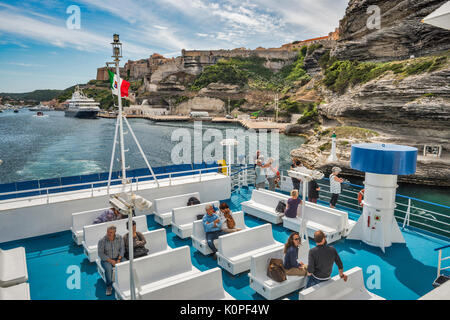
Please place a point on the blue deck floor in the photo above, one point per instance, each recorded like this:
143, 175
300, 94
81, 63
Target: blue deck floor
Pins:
406, 270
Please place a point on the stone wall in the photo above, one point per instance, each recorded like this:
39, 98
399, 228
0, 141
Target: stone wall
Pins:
195, 60
211, 105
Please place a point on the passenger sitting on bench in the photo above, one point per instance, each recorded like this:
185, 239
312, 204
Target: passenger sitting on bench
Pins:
212, 226
110, 252
228, 223
292, 204
292, 267
139, 242
108, 215
321, 259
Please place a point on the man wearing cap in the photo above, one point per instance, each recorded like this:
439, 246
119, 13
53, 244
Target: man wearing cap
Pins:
335, 186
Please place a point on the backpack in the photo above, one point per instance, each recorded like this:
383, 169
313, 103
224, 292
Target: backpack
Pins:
230, 221
192, 201
281, 207
275, 270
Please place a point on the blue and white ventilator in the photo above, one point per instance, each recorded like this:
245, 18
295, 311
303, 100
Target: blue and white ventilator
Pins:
382, 163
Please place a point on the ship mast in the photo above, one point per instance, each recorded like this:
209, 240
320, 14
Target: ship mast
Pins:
125, 205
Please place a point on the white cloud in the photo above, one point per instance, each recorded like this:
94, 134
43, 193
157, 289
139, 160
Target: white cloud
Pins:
57, 35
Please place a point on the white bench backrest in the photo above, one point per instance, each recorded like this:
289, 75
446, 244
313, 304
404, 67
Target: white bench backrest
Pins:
85, 218
198, 286
185, 215
246, 240
156, 240
164, 205
260, 262
267, 199
343, 214
152, 268
321, 215
336, 288
199, 231
93, 233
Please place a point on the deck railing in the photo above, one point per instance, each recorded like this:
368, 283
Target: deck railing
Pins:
135, 182
409, 211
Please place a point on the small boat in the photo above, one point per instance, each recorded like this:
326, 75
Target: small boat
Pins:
16, 110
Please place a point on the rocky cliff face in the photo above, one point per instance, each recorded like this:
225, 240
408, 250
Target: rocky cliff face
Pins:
401, 34
416, 108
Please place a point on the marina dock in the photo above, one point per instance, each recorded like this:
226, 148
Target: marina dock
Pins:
247, 124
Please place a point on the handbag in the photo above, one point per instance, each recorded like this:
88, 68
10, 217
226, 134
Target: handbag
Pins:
281, 207
275, 270
230, 221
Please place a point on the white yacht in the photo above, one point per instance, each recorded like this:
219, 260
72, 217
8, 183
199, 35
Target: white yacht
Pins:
81, 106
41, 107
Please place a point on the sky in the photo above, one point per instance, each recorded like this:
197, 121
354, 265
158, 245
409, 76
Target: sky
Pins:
50, 44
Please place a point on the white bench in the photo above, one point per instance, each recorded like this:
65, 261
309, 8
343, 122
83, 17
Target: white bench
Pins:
337, 289
263, 204
156, 242
206, 285
183, 218
93, 233
265, 286
199, 236
235, 249
332, 223
13, 267
154, 271
17, 292
81, 219
164, 206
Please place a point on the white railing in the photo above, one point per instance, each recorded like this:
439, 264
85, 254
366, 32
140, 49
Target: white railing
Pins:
134, 183
440, 259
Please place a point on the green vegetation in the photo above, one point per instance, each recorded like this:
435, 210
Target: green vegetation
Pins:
325, 146
36, 95
340, 75
310, 114
135, 85
252, 72
180, 99
348, 132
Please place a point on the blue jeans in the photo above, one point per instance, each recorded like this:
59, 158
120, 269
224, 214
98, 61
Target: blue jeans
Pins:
313, 281
108, 272
211, 236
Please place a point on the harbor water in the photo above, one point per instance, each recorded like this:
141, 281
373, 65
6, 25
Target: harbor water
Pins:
56, 146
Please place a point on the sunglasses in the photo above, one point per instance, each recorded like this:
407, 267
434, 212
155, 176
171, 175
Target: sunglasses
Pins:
296, 239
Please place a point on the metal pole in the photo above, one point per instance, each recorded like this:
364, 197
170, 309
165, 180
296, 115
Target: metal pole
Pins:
141, 151
113, 153
304, 198
124, 182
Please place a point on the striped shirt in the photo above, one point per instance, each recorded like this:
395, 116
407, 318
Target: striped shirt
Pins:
110, 249
335, 186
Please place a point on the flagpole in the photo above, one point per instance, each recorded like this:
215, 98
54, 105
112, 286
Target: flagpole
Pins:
117, 53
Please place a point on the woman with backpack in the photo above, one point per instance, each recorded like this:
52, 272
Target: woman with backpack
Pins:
292, 267
228, 223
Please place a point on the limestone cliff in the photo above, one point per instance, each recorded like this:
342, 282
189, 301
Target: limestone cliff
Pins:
401, 33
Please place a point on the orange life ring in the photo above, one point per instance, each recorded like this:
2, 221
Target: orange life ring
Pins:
360, 197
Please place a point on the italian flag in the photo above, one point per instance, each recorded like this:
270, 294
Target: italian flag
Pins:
124, 85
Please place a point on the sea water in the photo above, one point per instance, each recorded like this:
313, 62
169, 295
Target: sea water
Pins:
57, 146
